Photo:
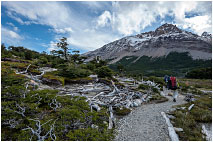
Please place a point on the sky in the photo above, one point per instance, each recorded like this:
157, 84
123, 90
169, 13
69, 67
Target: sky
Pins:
88, 25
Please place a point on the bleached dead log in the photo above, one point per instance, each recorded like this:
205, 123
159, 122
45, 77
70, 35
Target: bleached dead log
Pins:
178, 129
101, 93
110, 118
111, 93
138, 102
39, 76
34, 78
128, 104
162, 93
24, 94
116, 89
172, 133
139, 94
24, 71
96, 107
190, 107
22, 110
207, 134
52, 135
38, 131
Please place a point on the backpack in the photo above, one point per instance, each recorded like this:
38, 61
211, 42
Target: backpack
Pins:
173, 83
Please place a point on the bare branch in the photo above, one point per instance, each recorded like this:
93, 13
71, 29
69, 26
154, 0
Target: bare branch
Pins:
11, 122
54, 104
22, 110
38, 131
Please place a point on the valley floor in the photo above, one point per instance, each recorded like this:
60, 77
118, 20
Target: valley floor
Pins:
146, 123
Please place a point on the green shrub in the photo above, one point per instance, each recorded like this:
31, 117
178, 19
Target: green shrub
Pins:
88, 134
73, 72
155, 90
43, 60
143, 87
91, 66
157, 80
122, 112
202, 73
104, 71
53, 76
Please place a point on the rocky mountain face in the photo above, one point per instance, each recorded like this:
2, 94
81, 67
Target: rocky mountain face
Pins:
164, 40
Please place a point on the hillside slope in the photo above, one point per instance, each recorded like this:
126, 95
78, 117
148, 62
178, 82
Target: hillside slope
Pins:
173, 64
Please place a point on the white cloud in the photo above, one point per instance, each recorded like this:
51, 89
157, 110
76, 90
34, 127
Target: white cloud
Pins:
51, 46
104, 19
91, 40
198, 24
15, 28
10, 37
132, 17
12, 25
15, 17
94, 5
63, 30
54, 14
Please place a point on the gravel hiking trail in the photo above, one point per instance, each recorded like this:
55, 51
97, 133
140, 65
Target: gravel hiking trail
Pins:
145, 123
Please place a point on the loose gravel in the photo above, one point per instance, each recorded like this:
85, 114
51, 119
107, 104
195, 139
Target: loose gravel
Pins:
145, 123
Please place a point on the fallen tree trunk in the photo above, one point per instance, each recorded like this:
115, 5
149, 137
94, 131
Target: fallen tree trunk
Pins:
190, 107
207, 134
24, 71
111, 117
172, 133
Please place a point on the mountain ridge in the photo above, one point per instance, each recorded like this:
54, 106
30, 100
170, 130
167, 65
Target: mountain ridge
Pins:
165, 39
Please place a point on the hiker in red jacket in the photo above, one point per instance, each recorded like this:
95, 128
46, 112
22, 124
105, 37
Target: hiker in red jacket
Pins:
173, 85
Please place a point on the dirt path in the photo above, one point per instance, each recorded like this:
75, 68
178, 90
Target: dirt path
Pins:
146, 123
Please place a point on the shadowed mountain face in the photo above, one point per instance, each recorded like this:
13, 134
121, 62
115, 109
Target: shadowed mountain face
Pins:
164, 40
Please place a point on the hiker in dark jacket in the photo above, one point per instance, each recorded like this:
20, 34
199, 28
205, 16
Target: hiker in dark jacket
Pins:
167, 80
173, 85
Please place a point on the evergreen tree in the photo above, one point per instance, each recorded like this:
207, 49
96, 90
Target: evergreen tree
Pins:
63, 45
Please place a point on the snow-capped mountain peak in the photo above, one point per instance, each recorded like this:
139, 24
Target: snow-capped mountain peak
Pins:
165, 39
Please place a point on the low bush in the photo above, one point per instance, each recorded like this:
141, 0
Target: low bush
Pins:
122, 111
143, 87
52, 77
202, 73
73, 72
104, 71
158, 98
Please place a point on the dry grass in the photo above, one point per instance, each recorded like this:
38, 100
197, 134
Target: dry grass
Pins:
197, 83
189, 120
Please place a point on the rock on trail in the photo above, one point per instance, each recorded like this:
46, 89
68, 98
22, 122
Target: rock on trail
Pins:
146, 123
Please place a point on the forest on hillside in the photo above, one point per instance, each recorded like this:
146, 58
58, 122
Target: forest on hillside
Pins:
177, 64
